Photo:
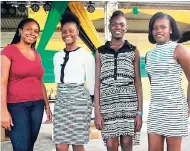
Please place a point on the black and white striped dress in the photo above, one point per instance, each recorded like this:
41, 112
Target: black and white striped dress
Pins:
75, 78
168, 111
118, 97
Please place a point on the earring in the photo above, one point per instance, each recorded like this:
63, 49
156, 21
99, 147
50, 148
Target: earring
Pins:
170, 32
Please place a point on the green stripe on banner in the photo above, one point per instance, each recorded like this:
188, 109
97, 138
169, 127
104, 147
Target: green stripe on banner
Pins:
48, 66
142, 67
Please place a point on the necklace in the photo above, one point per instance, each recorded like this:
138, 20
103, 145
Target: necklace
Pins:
116, 45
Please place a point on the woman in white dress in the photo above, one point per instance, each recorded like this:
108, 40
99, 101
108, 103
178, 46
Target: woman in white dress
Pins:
169, 108
74, 69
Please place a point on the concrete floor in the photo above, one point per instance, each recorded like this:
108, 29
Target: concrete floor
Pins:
45, 143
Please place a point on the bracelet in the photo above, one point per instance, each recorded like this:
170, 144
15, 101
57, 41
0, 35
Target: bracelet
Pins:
46, 107
140, 113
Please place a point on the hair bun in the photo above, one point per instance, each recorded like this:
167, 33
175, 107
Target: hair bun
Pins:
69, 17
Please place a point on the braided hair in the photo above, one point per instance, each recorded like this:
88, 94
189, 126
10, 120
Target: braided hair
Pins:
21, 25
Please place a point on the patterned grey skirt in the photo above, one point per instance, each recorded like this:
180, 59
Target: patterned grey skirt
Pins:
118, 107
72, 114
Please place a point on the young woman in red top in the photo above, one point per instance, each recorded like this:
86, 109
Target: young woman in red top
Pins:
23, 92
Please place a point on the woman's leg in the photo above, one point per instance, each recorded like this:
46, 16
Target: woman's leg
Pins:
126, 143
155, 142
62, 147
173, 143
36, 115
112, 144
78, 147
20, 134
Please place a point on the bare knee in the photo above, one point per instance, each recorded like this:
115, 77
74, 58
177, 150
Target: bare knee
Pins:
112, 144
155, 142
126, 143
111, 148
173, 143
62, 147
78, 147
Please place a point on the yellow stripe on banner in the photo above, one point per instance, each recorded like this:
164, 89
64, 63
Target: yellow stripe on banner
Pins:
78, 9
58, 44
40, 17
99, 13
179, 15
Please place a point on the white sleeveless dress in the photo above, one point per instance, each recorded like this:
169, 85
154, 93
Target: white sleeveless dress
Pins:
168, 111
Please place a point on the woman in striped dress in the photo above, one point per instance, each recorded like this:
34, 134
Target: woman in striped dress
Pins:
74, 70
169, 108
118, 91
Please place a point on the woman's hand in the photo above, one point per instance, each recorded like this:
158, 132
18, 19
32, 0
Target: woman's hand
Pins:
99, 121
49, 115
6, 120
138, 123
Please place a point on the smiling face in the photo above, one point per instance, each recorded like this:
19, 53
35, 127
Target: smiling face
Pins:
69, 33
161, 30
29, 33
118, 27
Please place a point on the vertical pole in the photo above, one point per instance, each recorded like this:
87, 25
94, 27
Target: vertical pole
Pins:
109, 8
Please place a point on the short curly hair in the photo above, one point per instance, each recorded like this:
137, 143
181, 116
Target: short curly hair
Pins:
175, 31
70, 17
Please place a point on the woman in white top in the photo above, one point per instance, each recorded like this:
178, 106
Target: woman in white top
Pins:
74, 70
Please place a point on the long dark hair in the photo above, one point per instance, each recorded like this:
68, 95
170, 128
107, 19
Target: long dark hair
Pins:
184, 37
23, 22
